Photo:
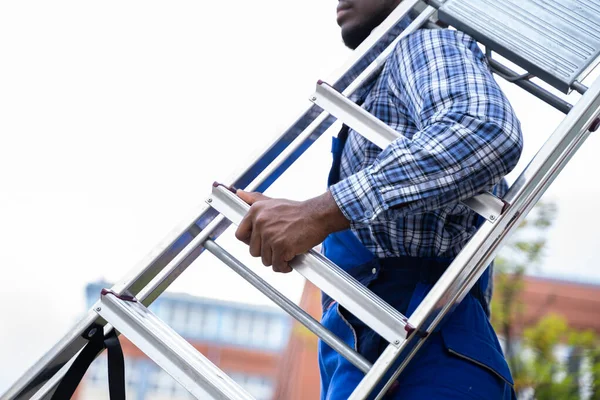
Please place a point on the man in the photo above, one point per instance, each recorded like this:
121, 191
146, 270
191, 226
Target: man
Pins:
392, 218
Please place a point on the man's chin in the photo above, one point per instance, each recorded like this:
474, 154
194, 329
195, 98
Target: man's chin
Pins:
354, 36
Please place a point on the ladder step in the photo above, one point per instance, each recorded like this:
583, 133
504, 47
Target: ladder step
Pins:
388, 322
290, 307
169, 350
376, 131
558, 41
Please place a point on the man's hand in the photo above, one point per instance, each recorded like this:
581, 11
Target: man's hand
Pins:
277, 230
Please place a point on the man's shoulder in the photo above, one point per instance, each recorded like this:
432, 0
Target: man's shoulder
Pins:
438, 43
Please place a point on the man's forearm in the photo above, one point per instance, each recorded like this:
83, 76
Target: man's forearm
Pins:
329, 212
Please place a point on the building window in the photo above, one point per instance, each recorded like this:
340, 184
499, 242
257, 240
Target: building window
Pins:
210, 327
277, 333
163, 311
227, 331
259, 386
195, 323
179, 317
243, 328
161, 383
162, 386
132, 373
97, 374
259, 331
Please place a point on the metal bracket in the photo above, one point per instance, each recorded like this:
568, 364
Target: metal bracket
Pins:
487, 205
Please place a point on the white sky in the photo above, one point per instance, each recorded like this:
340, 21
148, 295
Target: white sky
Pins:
116, 117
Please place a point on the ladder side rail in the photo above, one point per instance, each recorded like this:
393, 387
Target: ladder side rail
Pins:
156, 261
475, 257
290, 307
47, 390
178, 265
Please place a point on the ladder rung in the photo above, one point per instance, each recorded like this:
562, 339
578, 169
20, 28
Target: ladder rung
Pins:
337, 283
169, 350
290, 307
376, 131
351, 114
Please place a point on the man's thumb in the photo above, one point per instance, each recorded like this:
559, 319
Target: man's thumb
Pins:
250, 197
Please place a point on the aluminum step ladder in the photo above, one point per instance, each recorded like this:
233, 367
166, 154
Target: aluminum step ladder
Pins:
519, 31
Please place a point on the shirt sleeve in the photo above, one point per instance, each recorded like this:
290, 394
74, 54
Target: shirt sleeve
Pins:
468, 136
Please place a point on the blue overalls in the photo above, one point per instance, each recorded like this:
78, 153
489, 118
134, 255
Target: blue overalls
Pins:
462, 359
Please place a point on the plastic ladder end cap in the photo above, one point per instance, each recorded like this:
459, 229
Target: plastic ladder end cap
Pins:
123, 297
595, 125
232, 189
411, 329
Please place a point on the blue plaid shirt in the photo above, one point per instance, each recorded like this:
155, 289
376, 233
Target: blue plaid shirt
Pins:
460, 137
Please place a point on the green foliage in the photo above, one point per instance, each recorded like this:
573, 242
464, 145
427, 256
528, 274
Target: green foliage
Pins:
534, 365
540, 369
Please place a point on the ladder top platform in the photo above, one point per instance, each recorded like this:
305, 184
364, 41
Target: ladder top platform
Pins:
555, 40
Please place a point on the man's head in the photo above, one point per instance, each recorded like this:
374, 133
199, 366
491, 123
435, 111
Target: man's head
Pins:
358, 18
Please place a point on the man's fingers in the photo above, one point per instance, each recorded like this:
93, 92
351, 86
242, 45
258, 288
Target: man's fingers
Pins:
244, 230
255, 244
279, 262
250, 197
284, 268
266, 255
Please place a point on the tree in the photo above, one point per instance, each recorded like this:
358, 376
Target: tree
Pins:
532, 357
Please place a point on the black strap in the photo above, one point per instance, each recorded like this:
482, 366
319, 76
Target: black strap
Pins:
116, 366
